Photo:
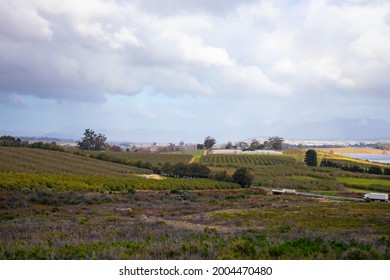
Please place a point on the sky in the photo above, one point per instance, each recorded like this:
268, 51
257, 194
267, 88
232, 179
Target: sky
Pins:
170, 70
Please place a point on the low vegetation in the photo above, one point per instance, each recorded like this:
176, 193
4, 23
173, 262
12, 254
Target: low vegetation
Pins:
59, 205
140, 159
55, 182
209, 224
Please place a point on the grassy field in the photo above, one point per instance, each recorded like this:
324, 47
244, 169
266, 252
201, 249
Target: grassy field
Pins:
57, 205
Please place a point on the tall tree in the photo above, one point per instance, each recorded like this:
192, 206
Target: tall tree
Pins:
92, 141
209, 142
255, 145
275, 142
311, 157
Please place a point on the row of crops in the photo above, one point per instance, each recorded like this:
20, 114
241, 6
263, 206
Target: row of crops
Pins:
152, 158
237, 160
27, 160
61, 182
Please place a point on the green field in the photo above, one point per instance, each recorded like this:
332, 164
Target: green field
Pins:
44, 161
57, 205
372, 184
240, 160
153, 158
55, 182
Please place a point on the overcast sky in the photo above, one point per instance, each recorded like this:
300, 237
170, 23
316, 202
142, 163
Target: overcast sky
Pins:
171, 70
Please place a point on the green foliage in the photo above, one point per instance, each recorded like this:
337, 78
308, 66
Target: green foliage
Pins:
139, 159
244, 177
10, 141
374, 184
92, 141
44, 161
245, 160
375, 170
181, 170
353, 166
209, 142
311, 158
221, 176
55, 182
274, 143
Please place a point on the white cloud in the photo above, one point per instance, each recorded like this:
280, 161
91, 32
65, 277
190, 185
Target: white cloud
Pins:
22, 22
83, 49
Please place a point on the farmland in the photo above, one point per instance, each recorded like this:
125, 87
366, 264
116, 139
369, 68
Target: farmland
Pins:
152, 158
242, 160
44, 161
56, 205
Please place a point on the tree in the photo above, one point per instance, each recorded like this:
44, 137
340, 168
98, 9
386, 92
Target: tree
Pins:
115, 148
375, 170
200, 147
242, 145
255, 145
229, 145
244, 177
209, 142
311, 157
274, 143
92, 141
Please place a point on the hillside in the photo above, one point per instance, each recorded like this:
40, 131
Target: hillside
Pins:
44, 161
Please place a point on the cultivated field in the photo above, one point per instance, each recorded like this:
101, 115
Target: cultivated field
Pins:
44, 161
153, 158
245, 160
57, 205
353, 150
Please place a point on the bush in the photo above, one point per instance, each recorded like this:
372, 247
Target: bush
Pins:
311, 158
375, 170
244, 177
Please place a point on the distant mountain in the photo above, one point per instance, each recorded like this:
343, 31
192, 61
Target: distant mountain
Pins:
333, 129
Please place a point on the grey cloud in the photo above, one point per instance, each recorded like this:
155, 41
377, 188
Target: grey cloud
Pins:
75, 51
170, 7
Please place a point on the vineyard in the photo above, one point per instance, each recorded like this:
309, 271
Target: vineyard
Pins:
153, 158
44, 161
242, 160
57, 182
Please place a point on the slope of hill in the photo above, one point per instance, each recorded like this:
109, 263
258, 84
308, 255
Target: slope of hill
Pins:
45, 161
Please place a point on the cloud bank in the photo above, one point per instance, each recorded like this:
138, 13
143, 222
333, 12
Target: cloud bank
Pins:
84, 50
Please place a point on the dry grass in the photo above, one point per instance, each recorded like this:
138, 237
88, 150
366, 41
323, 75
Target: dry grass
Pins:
353, 150
218, 224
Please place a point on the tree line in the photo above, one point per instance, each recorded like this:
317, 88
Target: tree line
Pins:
10, 141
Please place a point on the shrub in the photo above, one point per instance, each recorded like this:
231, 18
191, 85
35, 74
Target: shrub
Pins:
375, 170
244, 177
311, 158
